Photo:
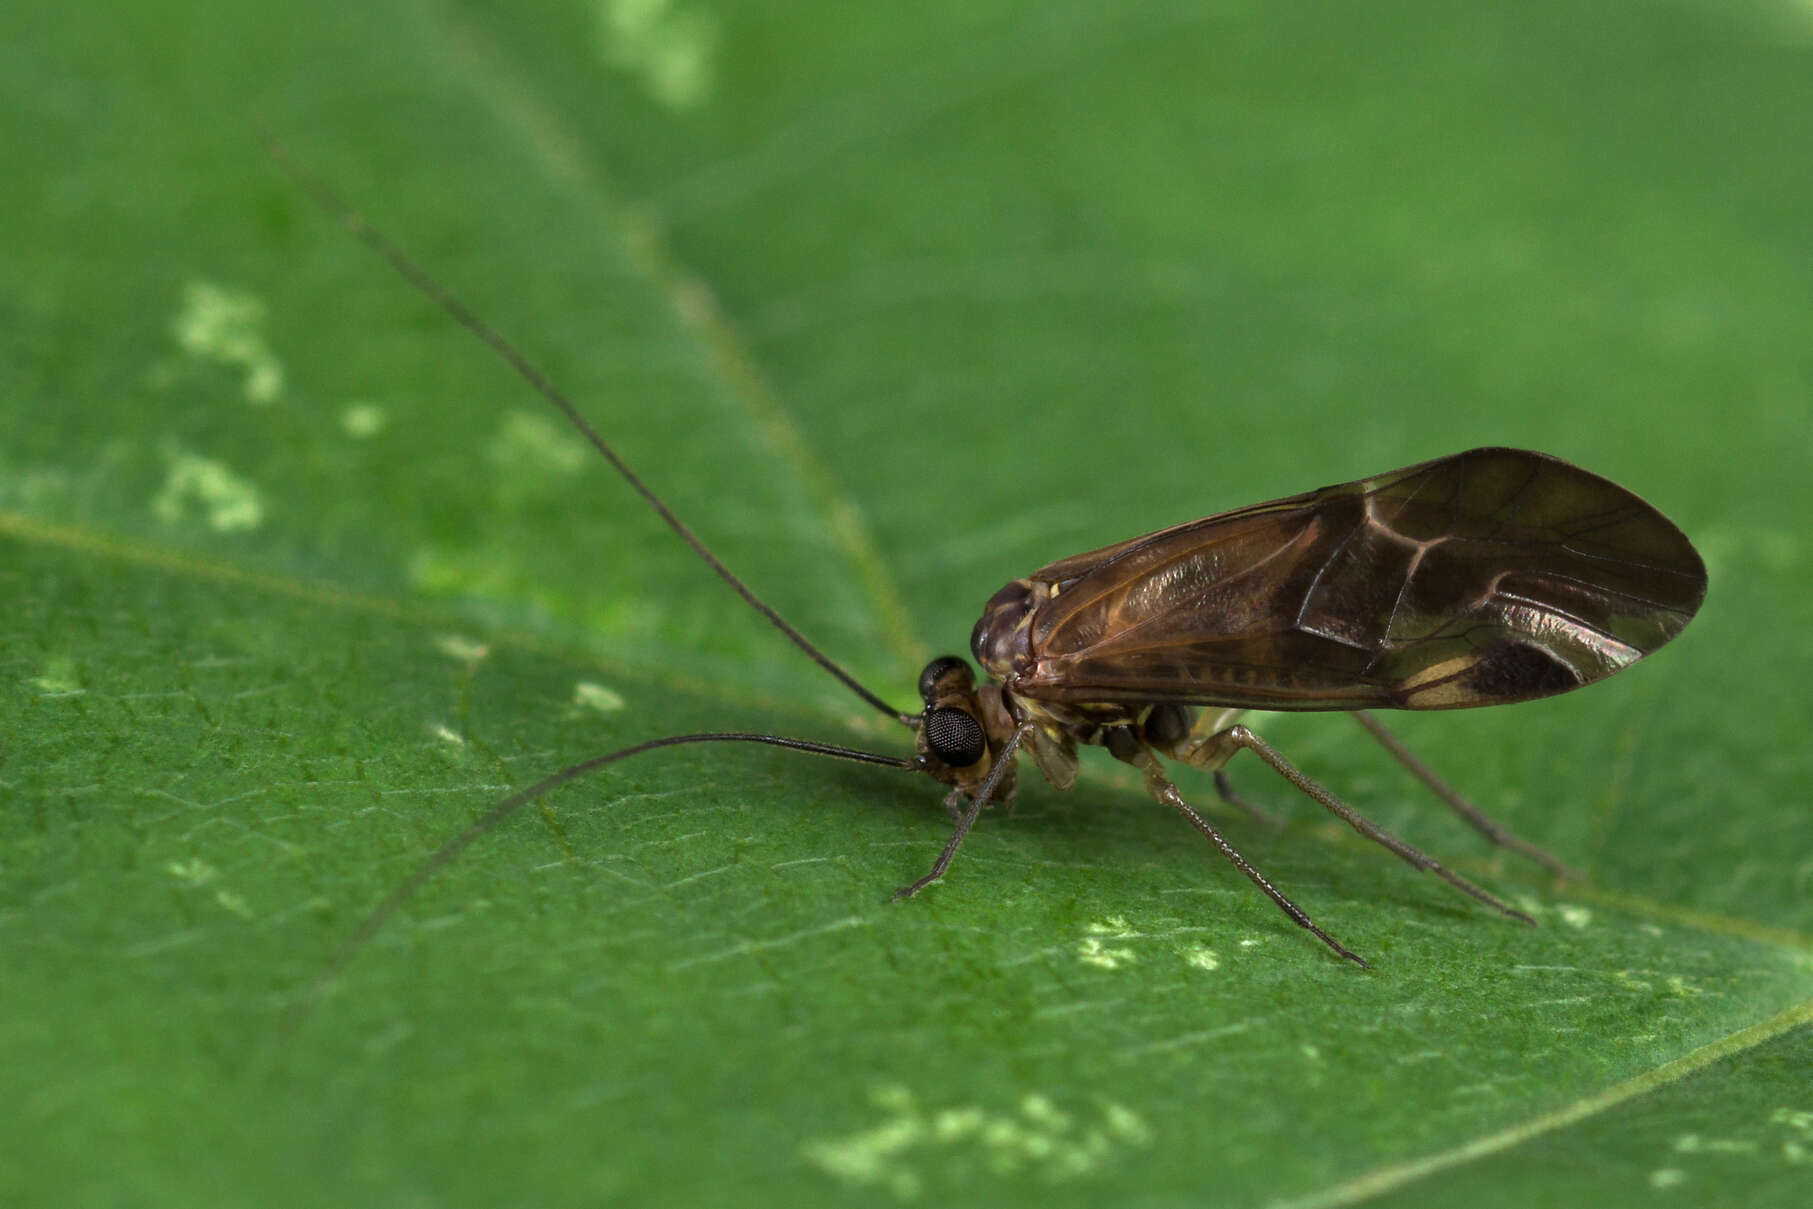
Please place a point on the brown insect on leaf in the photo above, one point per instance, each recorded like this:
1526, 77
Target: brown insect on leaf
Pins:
1487, 577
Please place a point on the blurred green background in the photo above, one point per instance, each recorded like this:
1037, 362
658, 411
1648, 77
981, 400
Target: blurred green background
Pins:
893, 306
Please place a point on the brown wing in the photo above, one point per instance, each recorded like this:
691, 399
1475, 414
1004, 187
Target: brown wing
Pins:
1491, 576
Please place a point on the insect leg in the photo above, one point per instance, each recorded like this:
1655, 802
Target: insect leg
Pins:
1200, 737
1224, 789
1472, 815
1164, 791
986, 790
1236, 737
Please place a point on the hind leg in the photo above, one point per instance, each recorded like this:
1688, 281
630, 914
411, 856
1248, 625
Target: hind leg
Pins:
1470, 814
1217, 749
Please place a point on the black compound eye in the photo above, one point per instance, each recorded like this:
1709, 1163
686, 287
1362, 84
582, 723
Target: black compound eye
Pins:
954, 736
937, 670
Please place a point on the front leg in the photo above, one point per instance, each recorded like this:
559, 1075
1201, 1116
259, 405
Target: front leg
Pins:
1003, 763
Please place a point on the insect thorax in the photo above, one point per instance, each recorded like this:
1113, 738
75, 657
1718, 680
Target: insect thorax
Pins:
1002, 639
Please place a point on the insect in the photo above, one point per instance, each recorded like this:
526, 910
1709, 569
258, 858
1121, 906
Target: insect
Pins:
1488, 577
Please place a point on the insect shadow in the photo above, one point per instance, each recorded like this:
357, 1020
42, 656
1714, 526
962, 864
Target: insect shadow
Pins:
1483, 578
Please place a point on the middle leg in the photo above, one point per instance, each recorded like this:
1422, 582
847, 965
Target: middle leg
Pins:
1160, 787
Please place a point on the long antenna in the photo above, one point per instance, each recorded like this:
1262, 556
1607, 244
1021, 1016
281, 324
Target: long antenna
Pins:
377, 241
489, 821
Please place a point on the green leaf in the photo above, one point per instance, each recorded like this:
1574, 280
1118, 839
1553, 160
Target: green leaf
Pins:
892, 308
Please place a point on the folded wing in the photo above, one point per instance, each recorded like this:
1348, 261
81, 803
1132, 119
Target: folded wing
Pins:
1491, 576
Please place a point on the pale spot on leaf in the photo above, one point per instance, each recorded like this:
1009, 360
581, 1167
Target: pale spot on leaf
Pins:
1126, 1124
668, 47
1798, 1119
1038, 1108
233, 902
531, 441
1092, 952
1201, 957
587, 695
228, 503
225, 326
462, 649
1693, 1143
192, 872
59, 678
1574, 917
954, 1123
196, 873
362, 421
915, 1145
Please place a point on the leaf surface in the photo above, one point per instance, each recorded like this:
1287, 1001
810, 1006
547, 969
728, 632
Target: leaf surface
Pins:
891, 307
